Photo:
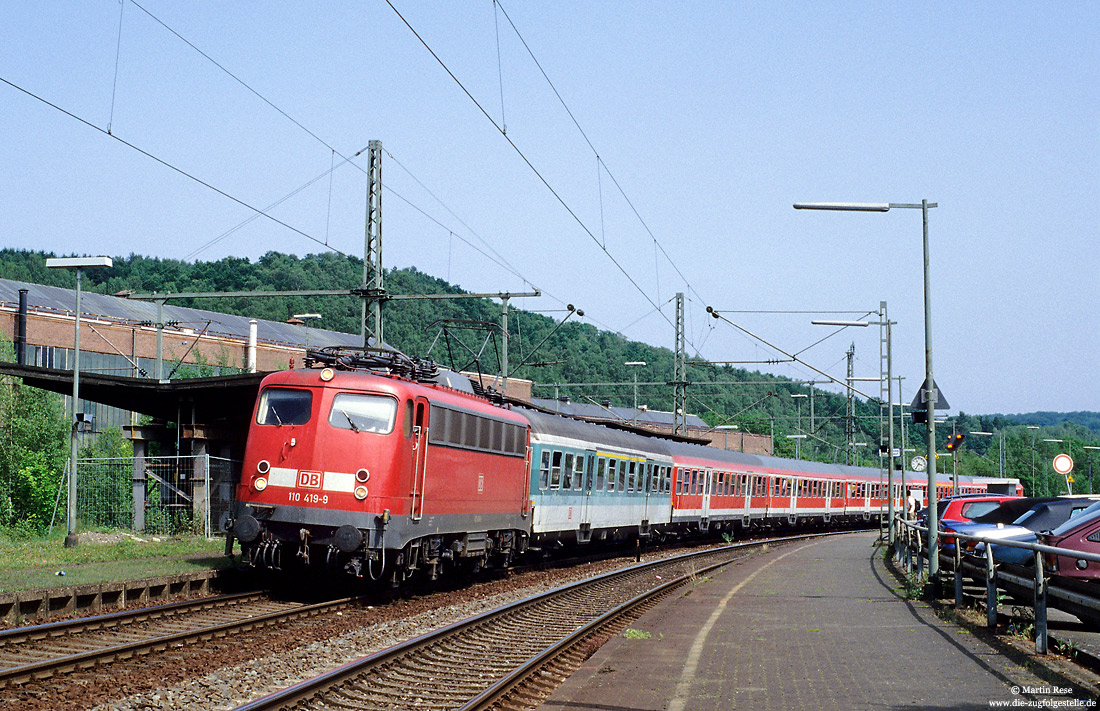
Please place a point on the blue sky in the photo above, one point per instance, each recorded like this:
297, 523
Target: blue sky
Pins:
713, 117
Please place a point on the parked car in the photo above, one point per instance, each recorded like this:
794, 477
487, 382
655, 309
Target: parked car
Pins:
964, 507
1023, 556
1078, 534
1043, 516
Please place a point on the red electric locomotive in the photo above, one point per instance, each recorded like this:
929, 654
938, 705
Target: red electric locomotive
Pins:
364, 471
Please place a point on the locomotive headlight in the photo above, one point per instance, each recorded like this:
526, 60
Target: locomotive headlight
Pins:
327, 374
362, 476
263, 466
360, 492
259, 484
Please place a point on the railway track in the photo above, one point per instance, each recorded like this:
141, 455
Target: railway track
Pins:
41, 651
511, 657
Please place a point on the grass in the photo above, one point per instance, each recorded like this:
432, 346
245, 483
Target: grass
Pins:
29, 563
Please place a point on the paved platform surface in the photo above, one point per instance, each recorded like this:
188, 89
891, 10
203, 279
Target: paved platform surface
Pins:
811, 625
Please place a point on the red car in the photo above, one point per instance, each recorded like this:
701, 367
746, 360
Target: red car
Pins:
1081, 533
965, 508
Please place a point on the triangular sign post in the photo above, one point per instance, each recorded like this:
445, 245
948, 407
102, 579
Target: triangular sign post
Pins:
920, 401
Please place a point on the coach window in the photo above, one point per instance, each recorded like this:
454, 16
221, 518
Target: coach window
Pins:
578, 472
612, 467
544, 470
407, 422
284, 406
622, 476
601, 472
555, 471
363, 413
567, 473
590, 470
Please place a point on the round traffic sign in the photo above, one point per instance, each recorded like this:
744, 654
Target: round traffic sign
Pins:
1063, 464
918, 463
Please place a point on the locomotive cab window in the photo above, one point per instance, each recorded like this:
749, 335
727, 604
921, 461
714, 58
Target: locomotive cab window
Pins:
284, 406
363, 413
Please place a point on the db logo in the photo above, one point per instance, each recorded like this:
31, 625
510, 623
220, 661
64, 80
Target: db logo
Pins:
309, 480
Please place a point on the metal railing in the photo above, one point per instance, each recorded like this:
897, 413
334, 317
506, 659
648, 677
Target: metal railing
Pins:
910, 549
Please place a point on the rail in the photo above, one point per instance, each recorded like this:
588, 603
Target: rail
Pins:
910, 550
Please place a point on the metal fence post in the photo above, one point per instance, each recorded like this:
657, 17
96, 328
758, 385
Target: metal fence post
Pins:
207, 487
1040, 606
139, 485
958, 573
990, 588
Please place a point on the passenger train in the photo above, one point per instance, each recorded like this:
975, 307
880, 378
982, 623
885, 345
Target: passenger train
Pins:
379, 465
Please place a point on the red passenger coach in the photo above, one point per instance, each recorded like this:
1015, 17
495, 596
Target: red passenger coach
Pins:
349, 468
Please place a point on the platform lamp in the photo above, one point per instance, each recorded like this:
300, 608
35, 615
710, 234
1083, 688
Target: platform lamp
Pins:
79, 264
634, 365
929, 388
1090, 464
888, 325
305, 318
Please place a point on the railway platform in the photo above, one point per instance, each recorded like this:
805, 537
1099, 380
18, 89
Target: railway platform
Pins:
818, 624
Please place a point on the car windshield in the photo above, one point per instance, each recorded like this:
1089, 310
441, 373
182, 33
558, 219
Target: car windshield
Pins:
363, 413
1090, 514
1047, 516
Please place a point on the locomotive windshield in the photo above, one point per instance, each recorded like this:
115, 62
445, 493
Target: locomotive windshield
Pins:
363, 413
284, 406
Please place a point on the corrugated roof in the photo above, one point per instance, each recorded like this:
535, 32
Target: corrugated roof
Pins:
52, 299
623, 414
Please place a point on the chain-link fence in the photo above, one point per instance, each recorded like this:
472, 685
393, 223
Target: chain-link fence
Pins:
165, 495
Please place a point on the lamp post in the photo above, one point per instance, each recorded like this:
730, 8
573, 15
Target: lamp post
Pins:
929, 393
1090, 465
304, 318
1044, 468
1000, 457
887, 324
635, 364
1034, 483
798, 398
79, 264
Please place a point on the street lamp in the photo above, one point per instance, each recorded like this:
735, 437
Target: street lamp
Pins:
635, 364
798, 398
1044, 468
1001, 456
304, 318
929, 388
79, 264
1090, 465
1038, 490
887, 324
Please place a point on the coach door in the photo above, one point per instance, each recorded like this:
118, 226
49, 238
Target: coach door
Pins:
420, 457
708, 488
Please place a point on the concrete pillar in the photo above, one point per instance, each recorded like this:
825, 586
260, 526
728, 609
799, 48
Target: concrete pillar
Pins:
139, 484
200, 485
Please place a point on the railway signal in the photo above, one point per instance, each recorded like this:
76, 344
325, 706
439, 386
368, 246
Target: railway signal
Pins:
955, 441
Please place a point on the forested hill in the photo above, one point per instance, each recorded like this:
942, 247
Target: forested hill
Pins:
1091, 420
576, 353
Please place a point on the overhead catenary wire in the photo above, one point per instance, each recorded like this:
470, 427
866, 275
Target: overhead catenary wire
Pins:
314, 135
166, 164
584, 135
118, 53
546, 183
